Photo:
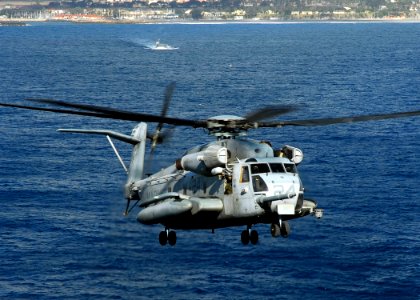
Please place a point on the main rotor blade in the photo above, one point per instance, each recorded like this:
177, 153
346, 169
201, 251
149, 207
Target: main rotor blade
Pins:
268, 112
114, 113
329, 121
168, 97
61, 111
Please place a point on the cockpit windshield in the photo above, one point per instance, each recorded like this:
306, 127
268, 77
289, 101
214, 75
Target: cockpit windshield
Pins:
277, 168
273, 168
259, 168
290, 168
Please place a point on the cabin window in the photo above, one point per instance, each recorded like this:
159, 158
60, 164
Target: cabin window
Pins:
259, 168
277, 168
290, 168
258, 184
244, 174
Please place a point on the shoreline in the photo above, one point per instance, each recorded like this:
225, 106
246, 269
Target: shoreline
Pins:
23, 22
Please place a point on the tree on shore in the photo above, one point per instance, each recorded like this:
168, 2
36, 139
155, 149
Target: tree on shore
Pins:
196, 13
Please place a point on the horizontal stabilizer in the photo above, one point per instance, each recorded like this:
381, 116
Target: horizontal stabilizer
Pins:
119, 136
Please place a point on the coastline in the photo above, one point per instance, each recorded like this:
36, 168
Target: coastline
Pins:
23, 22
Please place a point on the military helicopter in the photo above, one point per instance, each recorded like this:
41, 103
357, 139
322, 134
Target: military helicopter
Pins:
232, 181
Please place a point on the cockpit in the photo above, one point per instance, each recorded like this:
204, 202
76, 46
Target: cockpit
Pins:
265, 174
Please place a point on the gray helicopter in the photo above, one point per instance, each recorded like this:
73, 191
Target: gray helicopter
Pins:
232, 181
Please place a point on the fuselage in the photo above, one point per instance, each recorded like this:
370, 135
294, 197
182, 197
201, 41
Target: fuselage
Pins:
253, 186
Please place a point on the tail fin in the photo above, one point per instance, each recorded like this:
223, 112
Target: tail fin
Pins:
136, 169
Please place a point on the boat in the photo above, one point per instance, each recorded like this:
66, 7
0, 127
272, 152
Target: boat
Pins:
161, 46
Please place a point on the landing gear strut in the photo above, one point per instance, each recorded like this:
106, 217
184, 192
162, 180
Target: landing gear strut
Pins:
249, 235
167, 236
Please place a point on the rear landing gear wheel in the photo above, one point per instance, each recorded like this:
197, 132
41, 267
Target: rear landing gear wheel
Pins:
245, 237
285, 229
254, 237
163, 238
249, 235
167, 236
172, 238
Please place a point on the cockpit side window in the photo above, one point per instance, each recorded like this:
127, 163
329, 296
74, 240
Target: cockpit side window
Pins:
277, 168
290, 168
258, 184
244, 174
259, 168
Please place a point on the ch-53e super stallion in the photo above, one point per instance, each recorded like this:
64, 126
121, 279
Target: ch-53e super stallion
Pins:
232, 181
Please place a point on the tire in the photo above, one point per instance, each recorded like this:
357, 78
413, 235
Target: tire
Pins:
172, 238
285, 229
163, 238
254, 237
245, 237
275, 230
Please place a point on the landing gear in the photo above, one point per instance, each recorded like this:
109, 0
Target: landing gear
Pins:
275, 230
172, 238
245, 237
254, 237
285, 229
167, 236
249, 235
280, 229
163, 238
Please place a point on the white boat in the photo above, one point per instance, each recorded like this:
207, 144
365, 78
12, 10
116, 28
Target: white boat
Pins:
161, 46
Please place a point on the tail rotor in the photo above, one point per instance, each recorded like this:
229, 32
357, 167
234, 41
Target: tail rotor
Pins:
158, 136
156, 139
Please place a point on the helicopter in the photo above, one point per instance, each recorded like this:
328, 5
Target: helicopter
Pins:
232, 181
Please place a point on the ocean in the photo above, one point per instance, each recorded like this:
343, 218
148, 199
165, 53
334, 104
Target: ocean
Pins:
62, 230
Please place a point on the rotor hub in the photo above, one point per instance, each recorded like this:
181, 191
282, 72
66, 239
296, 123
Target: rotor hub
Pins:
227, 126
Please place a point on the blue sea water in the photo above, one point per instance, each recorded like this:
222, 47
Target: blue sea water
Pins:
62, 232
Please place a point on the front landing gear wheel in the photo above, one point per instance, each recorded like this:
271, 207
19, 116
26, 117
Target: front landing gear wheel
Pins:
285, 229
275, 230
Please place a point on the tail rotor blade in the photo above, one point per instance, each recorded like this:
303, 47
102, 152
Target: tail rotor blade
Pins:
157, 137
166, 102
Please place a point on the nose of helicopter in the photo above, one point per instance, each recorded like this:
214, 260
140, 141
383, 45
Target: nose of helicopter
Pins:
286, 189
282, 194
